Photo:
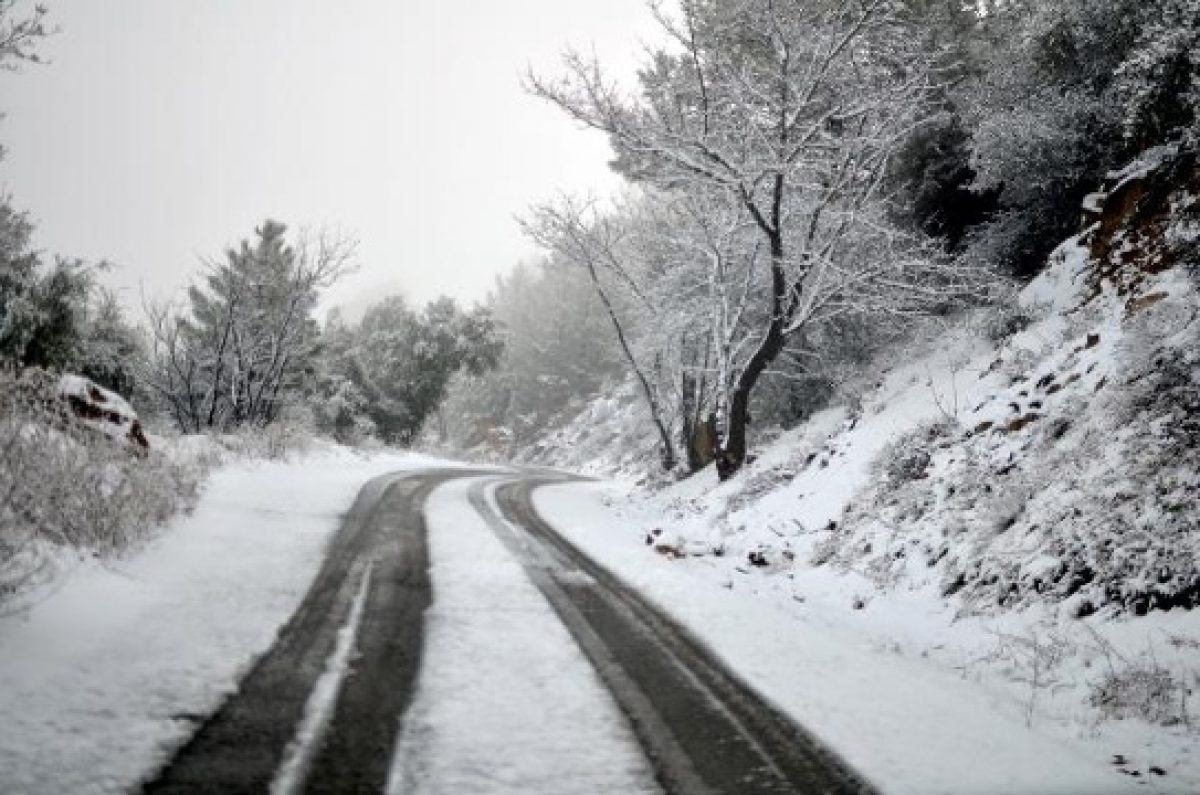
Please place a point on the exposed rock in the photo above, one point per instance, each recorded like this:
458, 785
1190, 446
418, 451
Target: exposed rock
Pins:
670, 551
1021, 422
1135, 305
103, 411
1128, 239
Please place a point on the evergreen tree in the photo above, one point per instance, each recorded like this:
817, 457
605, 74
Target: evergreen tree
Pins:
248, 340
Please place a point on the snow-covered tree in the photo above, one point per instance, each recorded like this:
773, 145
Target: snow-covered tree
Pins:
112, 351
574, 232
389, 373
247, 337
43, 309
1045, 125
406, 359
1158, 83
21, 33
783, 115
19, 264
339, 405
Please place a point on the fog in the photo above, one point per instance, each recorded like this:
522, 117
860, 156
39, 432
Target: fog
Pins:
159, 133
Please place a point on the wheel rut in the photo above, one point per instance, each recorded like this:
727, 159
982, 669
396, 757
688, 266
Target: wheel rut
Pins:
703, 729
241, 747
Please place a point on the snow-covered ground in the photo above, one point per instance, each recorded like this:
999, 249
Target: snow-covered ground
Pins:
506, 702
105, 677
880, 686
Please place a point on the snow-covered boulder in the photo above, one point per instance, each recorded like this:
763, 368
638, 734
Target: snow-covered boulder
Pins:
102, 410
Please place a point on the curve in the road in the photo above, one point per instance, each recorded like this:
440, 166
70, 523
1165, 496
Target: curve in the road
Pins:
703, 729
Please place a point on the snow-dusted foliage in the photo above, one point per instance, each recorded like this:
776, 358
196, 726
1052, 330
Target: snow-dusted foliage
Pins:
1158, 83
1058, 93
387, 375
20, 34
1078, 481
66, 485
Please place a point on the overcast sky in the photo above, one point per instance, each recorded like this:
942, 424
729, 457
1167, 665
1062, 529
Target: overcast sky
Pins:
163, 131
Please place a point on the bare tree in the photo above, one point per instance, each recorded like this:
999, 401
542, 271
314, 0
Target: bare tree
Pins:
573, 231
171, 373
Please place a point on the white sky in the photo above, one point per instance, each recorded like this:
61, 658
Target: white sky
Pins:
163, 131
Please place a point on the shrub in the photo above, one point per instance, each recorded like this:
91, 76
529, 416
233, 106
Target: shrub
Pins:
1141, 689
65, 486
1003, 321
908, 457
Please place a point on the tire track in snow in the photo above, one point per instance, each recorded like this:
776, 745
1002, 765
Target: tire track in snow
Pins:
243, 745
702, 728
317, 714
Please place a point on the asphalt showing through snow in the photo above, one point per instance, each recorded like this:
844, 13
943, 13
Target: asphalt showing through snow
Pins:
702, 730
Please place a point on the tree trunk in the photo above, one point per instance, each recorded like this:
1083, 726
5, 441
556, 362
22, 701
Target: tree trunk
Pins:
731, 453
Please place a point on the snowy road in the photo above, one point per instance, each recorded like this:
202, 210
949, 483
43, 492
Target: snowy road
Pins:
456, 643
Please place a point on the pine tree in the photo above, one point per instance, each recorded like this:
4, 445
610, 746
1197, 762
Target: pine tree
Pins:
240, 352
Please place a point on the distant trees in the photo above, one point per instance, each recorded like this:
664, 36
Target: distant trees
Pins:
406, 359
388, 374
768, 126
238, 351
558, 351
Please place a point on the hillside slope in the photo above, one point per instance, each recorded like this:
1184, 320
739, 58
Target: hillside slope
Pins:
1019, 508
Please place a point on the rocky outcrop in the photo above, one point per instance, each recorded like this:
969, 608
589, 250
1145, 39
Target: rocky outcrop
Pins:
1137, 224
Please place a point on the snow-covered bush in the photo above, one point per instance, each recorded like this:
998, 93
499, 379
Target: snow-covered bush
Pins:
1158, 84
1142, 689
65, 485
291, 434
1083, 490
1003, 320
907, 459
1075, 479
